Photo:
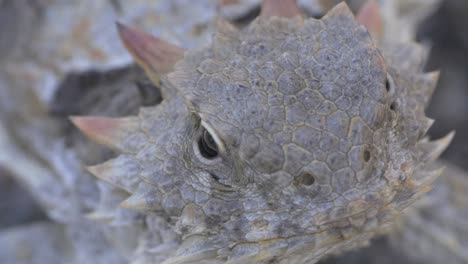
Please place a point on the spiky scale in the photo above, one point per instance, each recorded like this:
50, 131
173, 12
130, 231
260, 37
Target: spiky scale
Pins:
433, 149
145, 198
281, 8
424, 178
194, 249
224, 27
156, 56
369, 16
121, 172
118, 133
426, 125
340, 9
428, 85
101, 216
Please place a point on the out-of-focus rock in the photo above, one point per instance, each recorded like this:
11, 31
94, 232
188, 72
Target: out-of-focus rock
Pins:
56, 37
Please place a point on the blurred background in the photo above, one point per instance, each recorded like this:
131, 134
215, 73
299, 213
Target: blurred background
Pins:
62, 52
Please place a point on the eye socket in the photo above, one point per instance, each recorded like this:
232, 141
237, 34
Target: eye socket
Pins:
207, 145
389, 85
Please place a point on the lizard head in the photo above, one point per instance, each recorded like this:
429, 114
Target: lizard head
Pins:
285, 141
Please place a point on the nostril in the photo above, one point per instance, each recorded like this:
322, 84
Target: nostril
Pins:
307, 179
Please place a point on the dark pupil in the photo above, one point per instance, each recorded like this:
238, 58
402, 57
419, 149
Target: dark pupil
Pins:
207, 145
387, 85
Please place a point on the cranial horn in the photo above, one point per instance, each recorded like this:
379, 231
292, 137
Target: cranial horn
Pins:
281, 8
112, 132
154, 55
370, 17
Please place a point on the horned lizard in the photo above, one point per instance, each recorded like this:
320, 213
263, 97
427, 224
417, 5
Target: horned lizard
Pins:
284, 142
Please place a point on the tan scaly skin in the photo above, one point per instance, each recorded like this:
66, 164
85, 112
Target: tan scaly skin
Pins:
283, 142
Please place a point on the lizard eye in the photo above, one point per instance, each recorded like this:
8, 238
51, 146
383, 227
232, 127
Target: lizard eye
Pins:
207, 145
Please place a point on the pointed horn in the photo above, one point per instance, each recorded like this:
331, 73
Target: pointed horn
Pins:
341, 9
145, 198
430, 81
280, 8
121, 172
154, 55
194, 249
370, 17
433, 149
112, 132
223, 26
135, 203
417, 185
426, 125
425, 177
101, 216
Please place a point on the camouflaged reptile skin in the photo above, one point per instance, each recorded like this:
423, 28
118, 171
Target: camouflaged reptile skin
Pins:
283, 142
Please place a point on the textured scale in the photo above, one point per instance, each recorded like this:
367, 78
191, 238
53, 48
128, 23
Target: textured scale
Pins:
319, 132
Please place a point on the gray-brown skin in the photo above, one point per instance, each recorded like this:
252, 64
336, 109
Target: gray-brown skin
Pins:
319, 139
